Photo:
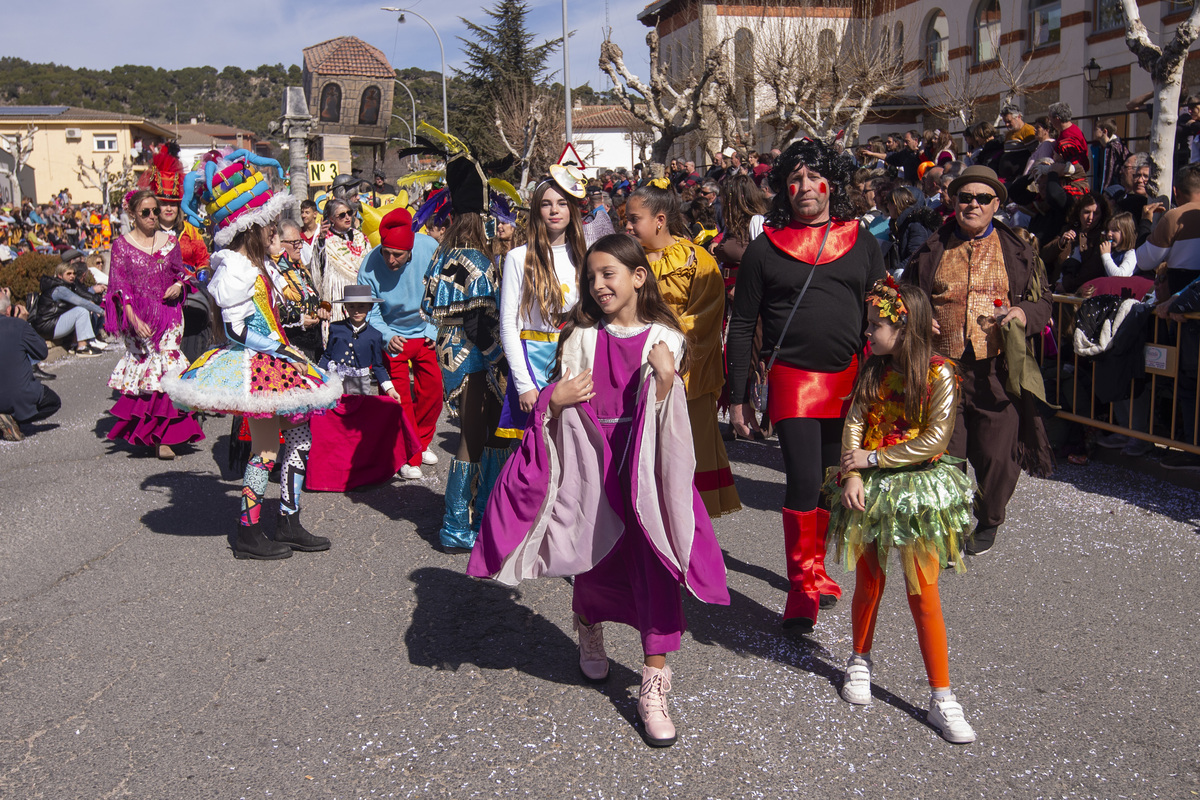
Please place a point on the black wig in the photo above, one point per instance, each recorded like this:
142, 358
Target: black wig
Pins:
821, 158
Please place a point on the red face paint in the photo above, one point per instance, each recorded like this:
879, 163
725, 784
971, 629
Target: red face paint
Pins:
792, 189
822, 187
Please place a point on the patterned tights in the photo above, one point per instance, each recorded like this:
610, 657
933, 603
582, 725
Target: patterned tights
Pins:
254, 487
297, 443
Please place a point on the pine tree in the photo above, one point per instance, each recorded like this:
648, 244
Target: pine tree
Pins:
499, 55
503, 52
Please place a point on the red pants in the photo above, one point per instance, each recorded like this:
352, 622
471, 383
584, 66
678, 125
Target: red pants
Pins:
423, 404
926, 609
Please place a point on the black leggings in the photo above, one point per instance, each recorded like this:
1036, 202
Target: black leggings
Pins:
809, 446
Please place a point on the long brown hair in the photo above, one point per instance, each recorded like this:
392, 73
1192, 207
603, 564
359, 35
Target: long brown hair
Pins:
542, 287
650, 304
466, 231
741, 199
911, 359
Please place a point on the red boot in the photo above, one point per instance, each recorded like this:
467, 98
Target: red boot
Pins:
830, 591
804, 598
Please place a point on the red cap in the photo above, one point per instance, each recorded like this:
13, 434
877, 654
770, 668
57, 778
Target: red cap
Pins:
395, 230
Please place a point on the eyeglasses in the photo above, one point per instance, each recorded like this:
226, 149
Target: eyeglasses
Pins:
983, 198
292, 242
146, 212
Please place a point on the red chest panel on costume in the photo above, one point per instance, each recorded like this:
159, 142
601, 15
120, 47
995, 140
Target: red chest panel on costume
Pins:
803, 241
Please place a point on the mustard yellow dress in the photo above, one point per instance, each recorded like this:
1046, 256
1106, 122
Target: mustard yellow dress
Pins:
690, 281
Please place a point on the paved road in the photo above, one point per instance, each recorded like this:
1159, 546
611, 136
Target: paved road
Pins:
139, 659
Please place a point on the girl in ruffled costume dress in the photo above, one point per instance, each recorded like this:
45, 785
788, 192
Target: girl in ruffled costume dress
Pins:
256, 373
147, 286
898, 490
602, 486
692, 286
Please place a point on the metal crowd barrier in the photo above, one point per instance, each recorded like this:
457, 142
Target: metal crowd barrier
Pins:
1076, 386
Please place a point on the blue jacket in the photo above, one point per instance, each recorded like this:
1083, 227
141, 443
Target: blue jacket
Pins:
401, 291
358, 352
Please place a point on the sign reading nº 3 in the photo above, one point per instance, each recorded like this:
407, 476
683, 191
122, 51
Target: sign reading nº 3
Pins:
322, 173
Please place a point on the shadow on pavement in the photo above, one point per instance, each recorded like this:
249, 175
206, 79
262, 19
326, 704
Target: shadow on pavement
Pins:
746, 627
772, 579
408, 500
462, 620
200, 505
1138, 488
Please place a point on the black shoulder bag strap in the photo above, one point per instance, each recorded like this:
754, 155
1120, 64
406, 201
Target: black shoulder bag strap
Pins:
799, 297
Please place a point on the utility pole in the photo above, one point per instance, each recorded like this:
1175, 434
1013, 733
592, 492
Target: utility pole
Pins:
566, 70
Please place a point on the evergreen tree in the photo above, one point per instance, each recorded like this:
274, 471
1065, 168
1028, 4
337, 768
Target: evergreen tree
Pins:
499, 54
502, 52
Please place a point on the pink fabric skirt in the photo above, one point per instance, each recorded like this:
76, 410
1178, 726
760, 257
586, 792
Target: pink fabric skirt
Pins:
151, 419
365, 439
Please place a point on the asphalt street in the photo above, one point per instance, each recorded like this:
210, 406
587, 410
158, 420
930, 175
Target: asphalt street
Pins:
138, 658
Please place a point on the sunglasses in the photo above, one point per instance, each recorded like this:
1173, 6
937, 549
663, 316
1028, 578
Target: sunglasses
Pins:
983, 198
344, 214
146, 212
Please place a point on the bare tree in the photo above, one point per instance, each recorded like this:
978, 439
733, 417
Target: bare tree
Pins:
672, 107
1165, 65
822, 77
104, 180
20, 147
531, 122
960, 94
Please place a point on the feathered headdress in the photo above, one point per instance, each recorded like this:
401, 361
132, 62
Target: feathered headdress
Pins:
466, 179
165, 175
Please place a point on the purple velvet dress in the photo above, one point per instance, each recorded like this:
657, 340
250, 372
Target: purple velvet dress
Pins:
145, 414
631, 585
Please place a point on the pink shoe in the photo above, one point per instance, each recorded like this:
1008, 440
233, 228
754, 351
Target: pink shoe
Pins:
593, 661
657, 728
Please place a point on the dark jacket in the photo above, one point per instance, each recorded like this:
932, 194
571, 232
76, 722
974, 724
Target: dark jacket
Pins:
355, 351
47, 310
19, 392
910, 230
1073, 272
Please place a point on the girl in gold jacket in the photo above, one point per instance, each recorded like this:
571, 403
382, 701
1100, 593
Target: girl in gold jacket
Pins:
897, 489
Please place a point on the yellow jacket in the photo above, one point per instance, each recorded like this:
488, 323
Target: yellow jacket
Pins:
690, 281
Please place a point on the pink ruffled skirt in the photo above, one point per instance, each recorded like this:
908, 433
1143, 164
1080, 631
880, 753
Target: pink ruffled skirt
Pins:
150, 419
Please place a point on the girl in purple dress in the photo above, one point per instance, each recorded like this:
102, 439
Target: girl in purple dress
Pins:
144, 303
602, 487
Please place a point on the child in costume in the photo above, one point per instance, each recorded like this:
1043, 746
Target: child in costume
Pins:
461, 296
602, 486
691, 284
540, 285
355, 349
256, 372
897, 489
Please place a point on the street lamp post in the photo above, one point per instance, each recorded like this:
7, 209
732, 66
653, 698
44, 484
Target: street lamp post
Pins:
414, 104
402, 12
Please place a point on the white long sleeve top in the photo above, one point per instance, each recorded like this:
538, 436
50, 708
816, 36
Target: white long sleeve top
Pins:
1123, 269
512, 285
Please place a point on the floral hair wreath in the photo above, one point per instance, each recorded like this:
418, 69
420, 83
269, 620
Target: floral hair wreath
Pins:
885, 296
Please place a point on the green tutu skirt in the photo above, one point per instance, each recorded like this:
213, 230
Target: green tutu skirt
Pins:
923, 510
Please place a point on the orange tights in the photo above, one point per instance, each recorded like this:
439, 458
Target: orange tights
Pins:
926, 609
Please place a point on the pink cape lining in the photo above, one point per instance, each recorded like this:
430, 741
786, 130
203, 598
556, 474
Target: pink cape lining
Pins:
551, 514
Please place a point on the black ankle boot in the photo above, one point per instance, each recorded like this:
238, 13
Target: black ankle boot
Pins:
251, 542
290, 532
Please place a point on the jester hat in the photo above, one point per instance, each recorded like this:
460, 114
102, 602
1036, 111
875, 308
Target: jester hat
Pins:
236, 195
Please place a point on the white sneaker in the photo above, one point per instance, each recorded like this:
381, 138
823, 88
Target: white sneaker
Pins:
429, 457
856, 685
947, 716
411, 473
99, 344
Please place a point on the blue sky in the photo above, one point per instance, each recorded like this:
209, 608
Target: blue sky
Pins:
125, 32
